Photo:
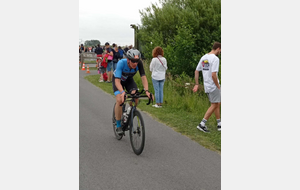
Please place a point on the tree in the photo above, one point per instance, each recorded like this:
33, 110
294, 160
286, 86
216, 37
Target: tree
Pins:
185, 29
89, 43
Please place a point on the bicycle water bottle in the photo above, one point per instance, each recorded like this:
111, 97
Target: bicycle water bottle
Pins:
128, 110
126, 114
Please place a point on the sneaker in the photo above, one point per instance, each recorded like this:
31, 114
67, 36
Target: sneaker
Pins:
100, 80
202, 128
119, 131
156, 106
108, 81
219, 127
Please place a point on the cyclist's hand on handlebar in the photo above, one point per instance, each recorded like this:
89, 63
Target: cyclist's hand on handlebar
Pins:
123, 97
148, 94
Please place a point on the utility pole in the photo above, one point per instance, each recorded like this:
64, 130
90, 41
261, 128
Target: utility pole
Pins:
136, 44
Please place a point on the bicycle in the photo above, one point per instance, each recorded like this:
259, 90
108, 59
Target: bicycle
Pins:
132, 120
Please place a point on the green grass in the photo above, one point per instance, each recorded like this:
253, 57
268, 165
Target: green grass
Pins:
182, 109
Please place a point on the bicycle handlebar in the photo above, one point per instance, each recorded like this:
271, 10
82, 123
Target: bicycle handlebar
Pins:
137, 94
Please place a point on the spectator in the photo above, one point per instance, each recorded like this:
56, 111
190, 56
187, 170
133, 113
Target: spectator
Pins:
102, 68
116, 58
82, 48
121, 51
158, 67
99, 52
209, 65
126, 49
109, 68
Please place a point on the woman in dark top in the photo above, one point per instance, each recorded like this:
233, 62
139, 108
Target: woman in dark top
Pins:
116, 58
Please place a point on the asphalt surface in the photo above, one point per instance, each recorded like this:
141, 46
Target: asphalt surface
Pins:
169, 160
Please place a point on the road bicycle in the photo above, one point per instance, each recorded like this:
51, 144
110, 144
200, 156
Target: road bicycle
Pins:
132, 120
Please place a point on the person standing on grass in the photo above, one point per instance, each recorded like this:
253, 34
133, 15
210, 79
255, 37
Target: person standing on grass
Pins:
209, 65
121, 51
82, 48
110, 66
158, 67
126, 49
99, 52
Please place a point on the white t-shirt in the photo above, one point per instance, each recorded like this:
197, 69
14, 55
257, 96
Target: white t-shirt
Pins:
208, 64
158, 70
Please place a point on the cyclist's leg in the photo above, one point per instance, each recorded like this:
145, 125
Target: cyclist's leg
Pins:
118, 108
131, 87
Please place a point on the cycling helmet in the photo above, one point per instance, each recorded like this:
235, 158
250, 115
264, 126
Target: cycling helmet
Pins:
133, 54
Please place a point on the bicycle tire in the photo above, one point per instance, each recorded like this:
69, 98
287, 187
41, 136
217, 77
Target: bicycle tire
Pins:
137, 129
114, 121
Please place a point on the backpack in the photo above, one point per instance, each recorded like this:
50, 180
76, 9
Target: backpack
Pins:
105, 77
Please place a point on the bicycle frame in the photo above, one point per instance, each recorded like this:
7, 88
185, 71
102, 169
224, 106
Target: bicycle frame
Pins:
132, 103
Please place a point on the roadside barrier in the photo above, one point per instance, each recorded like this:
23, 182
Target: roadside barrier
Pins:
83, 67
88, 69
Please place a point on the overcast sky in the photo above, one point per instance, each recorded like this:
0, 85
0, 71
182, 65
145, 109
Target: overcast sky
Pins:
109, 21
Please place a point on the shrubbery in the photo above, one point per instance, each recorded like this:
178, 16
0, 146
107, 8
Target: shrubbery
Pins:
185, 29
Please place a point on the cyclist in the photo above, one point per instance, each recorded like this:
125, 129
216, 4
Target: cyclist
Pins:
123, 77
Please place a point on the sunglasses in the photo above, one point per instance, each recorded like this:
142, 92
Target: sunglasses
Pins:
134, 61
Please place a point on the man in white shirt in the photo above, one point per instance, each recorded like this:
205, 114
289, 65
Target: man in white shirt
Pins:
209, 65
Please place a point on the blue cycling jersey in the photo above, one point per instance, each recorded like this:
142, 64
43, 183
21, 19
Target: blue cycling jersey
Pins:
123, 71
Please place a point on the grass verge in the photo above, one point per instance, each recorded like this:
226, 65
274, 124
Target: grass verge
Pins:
182, 109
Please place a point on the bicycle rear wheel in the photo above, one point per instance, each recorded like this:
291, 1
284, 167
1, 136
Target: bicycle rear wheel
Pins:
114, 121
137, 132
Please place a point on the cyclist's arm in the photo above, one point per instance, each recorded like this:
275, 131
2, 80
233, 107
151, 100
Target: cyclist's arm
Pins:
141, 68
143, 75
145, 82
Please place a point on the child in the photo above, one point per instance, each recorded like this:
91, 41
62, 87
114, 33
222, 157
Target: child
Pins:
98, 64
102, 68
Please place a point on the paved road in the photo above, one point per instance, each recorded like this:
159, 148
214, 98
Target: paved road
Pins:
169, 160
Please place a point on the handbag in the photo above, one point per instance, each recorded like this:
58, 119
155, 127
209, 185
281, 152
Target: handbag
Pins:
115, 60
161, 63
110, 58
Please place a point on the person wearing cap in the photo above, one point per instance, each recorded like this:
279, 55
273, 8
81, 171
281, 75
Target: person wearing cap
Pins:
123, 78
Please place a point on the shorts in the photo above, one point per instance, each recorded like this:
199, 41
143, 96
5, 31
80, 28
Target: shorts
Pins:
115, 66
129, 85
99, 55
109, 66
214, 96
102, 70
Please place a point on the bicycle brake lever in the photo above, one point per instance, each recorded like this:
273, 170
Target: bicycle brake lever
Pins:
150, 99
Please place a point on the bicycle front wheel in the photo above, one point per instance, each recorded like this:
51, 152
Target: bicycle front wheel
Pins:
137, 132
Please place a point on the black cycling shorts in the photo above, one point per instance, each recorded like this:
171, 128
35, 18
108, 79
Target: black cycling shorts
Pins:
129, 85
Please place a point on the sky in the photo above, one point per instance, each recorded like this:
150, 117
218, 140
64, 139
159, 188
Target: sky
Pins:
109, 21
